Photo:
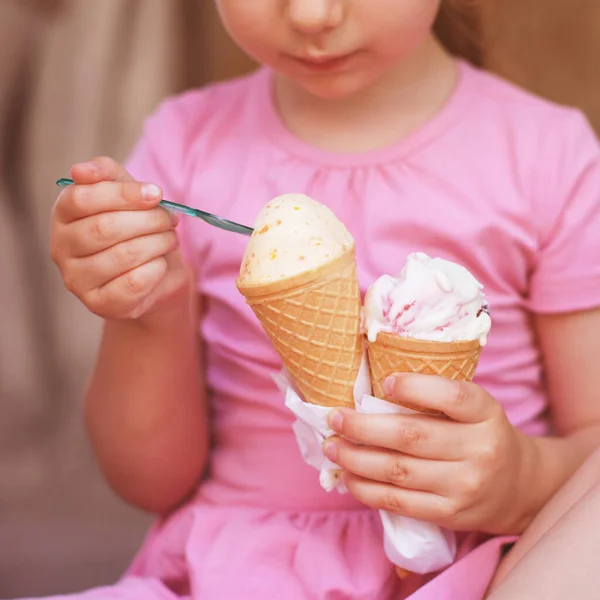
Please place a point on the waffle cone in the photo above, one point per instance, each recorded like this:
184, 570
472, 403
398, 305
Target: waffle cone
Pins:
391, 354
313, 321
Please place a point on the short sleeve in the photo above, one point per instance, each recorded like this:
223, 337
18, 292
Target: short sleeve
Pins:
566, 275
160, 155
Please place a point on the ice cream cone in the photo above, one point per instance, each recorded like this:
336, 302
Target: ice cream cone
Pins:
313, 321
391, 354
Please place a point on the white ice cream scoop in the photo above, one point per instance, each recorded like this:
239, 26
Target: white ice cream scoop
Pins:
432, 299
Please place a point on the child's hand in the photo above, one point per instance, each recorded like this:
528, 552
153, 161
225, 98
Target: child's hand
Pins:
114, 246
463, 473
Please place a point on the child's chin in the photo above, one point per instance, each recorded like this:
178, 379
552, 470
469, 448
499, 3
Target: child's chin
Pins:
338, 87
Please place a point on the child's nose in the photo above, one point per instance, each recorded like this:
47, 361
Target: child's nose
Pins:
311, 17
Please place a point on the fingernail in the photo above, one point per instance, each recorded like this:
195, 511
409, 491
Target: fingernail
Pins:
336, 420
150, 192
331, 451
174, 219
93, 166
388, 385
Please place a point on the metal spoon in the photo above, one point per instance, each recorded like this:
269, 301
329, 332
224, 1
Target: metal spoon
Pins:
211, 219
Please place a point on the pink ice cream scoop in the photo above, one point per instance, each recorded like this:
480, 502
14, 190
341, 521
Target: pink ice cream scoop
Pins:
432, 299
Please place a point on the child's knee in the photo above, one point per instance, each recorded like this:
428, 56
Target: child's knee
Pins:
591, 468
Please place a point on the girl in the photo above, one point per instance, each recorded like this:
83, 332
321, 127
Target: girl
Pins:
360, 107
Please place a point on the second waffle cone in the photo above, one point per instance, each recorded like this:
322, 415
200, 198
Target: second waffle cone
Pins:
391, 354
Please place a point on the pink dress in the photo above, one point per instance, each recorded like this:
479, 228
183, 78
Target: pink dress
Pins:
500, 181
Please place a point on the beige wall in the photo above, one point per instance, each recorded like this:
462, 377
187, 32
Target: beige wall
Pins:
76, 80
551, 47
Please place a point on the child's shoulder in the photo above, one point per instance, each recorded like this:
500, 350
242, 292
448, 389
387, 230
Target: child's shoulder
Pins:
545, 139
522, 108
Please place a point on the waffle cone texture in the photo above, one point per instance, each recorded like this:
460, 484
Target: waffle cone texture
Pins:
391, 354
313, 321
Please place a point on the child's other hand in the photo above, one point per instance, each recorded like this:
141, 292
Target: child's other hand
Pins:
463, 473
115, 247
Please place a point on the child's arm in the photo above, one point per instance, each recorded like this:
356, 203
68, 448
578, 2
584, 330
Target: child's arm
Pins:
146, 406
570, 345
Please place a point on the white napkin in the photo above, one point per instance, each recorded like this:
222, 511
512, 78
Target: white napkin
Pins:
413, 545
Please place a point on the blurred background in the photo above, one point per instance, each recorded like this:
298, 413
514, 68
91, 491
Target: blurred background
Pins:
77, 78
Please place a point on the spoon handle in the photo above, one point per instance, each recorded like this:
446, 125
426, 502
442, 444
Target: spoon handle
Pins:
209, 218
63, 182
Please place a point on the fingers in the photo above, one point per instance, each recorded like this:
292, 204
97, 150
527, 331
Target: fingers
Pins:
460, 400
391, 467
91, 235
99, 169
111, 241
416, 435
81, 201
86, 274
128, 295
424, 506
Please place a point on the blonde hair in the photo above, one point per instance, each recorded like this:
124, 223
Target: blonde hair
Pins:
459, 28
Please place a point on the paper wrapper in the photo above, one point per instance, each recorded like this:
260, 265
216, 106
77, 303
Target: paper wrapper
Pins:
412, 545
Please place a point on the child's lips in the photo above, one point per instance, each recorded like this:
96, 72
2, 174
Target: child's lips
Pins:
325, 62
